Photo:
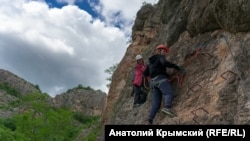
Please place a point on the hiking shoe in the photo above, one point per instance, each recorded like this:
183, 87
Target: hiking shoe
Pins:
148, 122
168, 112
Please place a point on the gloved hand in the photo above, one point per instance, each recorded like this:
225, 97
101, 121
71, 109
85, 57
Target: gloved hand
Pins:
181, 69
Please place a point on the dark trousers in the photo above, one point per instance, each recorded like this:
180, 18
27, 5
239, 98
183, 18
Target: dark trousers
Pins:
137, 94
163, 89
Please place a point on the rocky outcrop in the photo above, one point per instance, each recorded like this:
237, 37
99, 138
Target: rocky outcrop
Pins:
5, 99
210, 39
22, 86
89, 102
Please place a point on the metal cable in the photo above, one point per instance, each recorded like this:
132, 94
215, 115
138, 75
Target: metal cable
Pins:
236, 66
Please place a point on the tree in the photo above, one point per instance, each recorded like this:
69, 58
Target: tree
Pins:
110, 71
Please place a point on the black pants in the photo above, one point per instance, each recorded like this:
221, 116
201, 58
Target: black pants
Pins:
140, 95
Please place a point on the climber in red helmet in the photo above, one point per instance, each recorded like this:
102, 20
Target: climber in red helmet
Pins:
160, 85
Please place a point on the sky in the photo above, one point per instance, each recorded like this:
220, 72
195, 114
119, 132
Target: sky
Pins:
60, 44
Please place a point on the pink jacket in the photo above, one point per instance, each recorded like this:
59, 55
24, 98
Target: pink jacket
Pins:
139, 69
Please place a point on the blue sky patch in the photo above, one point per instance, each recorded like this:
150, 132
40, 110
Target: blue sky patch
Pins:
83, 4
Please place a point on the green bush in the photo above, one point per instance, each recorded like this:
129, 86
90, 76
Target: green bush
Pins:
8, 135
9, 89
42, 122
8, 123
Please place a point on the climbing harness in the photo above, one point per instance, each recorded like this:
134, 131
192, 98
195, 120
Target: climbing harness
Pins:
156, 83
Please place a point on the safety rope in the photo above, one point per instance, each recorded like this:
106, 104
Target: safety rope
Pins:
145, 83
236, 65
179, 77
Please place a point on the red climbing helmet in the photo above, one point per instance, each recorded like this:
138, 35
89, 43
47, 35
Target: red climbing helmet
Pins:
163, 47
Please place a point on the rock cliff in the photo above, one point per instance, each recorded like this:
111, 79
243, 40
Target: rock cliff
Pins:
14, 81
89, 102
210, 39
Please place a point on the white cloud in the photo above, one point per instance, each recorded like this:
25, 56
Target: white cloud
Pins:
121, 12
66, 1
59, 48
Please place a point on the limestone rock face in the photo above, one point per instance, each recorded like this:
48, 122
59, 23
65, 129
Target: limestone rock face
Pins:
89, 102
21, 85
5, 99
211, 40
22, 88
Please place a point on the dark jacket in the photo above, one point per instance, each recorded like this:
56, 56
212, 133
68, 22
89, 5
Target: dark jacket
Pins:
157, 66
